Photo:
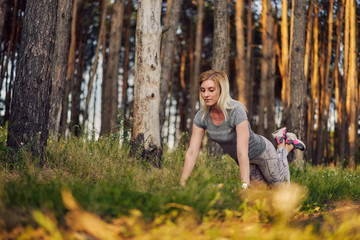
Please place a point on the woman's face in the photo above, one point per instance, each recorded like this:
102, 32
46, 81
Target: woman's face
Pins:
209, 92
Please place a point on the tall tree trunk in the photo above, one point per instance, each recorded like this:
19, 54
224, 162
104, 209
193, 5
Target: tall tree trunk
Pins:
352, 86
70, 72
96, 60
314, 86
298, 81
326, 92
60, 64
266, 62
240, 47
30, 105
249, 73
168, 42
194, 83
110, 93
340, 84
220, 35
219, 52
308, 40
124, 87
146, 124
285, 91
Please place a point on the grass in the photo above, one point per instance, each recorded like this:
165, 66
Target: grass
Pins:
115, 189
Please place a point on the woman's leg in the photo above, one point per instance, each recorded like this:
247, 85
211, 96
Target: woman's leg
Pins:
273, 163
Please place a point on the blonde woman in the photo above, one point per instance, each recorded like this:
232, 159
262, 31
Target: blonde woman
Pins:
226, 122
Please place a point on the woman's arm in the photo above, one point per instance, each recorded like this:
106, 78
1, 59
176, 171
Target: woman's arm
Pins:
242, 148
192, 153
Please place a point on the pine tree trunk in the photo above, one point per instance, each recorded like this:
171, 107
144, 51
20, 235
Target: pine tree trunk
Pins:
100, 42
60, 64
308, 40
146, 125
249, 73
168, 43
339, 85
297, 81
284, 61
30, 105
194, 83
124, 87
240, 47
70, 72
353, 85
219, 53
109, 102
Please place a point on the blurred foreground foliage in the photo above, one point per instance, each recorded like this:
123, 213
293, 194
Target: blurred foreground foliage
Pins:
91, 189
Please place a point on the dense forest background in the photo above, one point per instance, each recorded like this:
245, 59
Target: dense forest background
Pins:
94, 75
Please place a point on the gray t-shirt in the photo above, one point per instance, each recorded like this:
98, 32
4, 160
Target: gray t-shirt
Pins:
225, 133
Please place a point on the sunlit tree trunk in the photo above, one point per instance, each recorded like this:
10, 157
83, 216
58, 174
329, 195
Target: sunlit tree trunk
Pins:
168, 43
240, 56
146, 125
60, 64
110, 93
70, 71
28, 125
352, 86
339, 84
314, 85
194, 86
327, 90
285, 91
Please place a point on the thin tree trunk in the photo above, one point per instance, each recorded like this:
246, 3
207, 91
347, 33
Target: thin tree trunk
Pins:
60, 64
94, 69
146, 124
70, 71
352, 86
249, 73
109, 102
314, 85
3, 10
124, 88
284, 60
240, 56
30, 104
326, 92
270, 106
308, 40
194, 83
168, 42
339, 84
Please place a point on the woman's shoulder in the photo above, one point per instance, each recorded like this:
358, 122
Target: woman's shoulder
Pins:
236, 106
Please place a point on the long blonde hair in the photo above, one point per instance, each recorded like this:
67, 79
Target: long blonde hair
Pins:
221, 81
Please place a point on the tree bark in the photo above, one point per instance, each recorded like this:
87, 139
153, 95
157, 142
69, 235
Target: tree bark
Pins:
194, 82
100, 42
3, 9
285, 91
30, 105
70, 71
308, 40
249, 73
352, 86
146, 125
168, 42
109, 102
297, 118
60, 64
240, 47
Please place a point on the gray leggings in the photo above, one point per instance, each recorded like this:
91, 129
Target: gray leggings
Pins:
271, 166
